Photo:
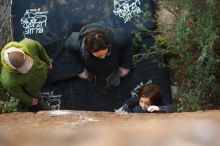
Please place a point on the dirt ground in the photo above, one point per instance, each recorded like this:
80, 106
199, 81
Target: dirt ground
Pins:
84, 128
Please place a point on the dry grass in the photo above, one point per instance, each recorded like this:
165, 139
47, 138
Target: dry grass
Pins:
6, 34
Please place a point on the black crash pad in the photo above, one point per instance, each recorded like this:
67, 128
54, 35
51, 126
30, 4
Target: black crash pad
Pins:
51, 21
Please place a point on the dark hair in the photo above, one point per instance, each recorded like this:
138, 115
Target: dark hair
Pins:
96, 40
152, 92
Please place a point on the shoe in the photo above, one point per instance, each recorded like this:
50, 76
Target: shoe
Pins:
113, 80
91, 80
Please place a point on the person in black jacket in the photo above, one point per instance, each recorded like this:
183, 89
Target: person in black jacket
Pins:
146, 98
101, 52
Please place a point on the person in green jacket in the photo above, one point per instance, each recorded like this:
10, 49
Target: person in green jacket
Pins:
25, 65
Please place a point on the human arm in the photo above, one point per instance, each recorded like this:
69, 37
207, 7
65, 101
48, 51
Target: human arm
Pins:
123, 41
167, 109
42, 54
72, 52
17, 92
129, 106
162, 109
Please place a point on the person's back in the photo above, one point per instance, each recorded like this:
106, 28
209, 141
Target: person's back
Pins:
24, 69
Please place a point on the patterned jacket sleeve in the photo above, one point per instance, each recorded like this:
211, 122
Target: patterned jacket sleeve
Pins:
162, 109
167, 109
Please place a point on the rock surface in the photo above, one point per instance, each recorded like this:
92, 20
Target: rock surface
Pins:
85, 128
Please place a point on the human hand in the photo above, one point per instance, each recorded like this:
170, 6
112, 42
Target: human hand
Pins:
153, 108
50, 66
121, 110
34, 101
123, 71
84, 74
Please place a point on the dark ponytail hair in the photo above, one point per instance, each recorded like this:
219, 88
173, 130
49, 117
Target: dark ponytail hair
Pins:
96, 40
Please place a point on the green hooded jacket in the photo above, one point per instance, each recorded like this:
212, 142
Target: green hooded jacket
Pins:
32, 81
